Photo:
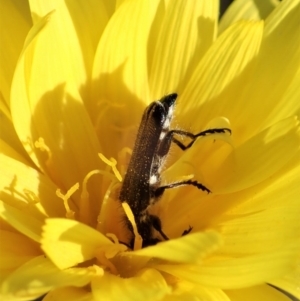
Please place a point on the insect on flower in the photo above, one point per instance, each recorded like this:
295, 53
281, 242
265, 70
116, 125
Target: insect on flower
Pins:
141, 187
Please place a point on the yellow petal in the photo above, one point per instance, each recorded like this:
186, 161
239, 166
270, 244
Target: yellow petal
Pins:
261, 292
39, 9
65, 61
38, 276
21, 221
262, 231
281, 27
281, 16
268, 152
209, 293
189, 291
4, 110
282, 187
69, 293
173, 52
68, 242
10, 144
292, 95
246, 10
279, 194
121, 61
290, 282
189, 248
19, 92
227, 59
84, 16
238, 272
12, 35
27, 189
48, 107
260, 96
11, 255
148, 286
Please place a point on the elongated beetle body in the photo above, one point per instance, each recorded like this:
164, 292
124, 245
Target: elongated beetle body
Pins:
141, 186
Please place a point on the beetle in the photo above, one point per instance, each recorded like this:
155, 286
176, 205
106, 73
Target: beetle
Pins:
142, 182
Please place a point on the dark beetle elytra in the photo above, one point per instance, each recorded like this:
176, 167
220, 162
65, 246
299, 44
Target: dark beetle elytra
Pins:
141, 186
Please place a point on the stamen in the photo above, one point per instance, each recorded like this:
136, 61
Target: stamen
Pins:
122, 158
103, 211
69, 213
103, 261
84, 197
113, 237
112, 163
138, 241
124, 151
103, 112
96, 270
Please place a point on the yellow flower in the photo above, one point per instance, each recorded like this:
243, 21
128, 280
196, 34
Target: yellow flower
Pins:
76, 78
